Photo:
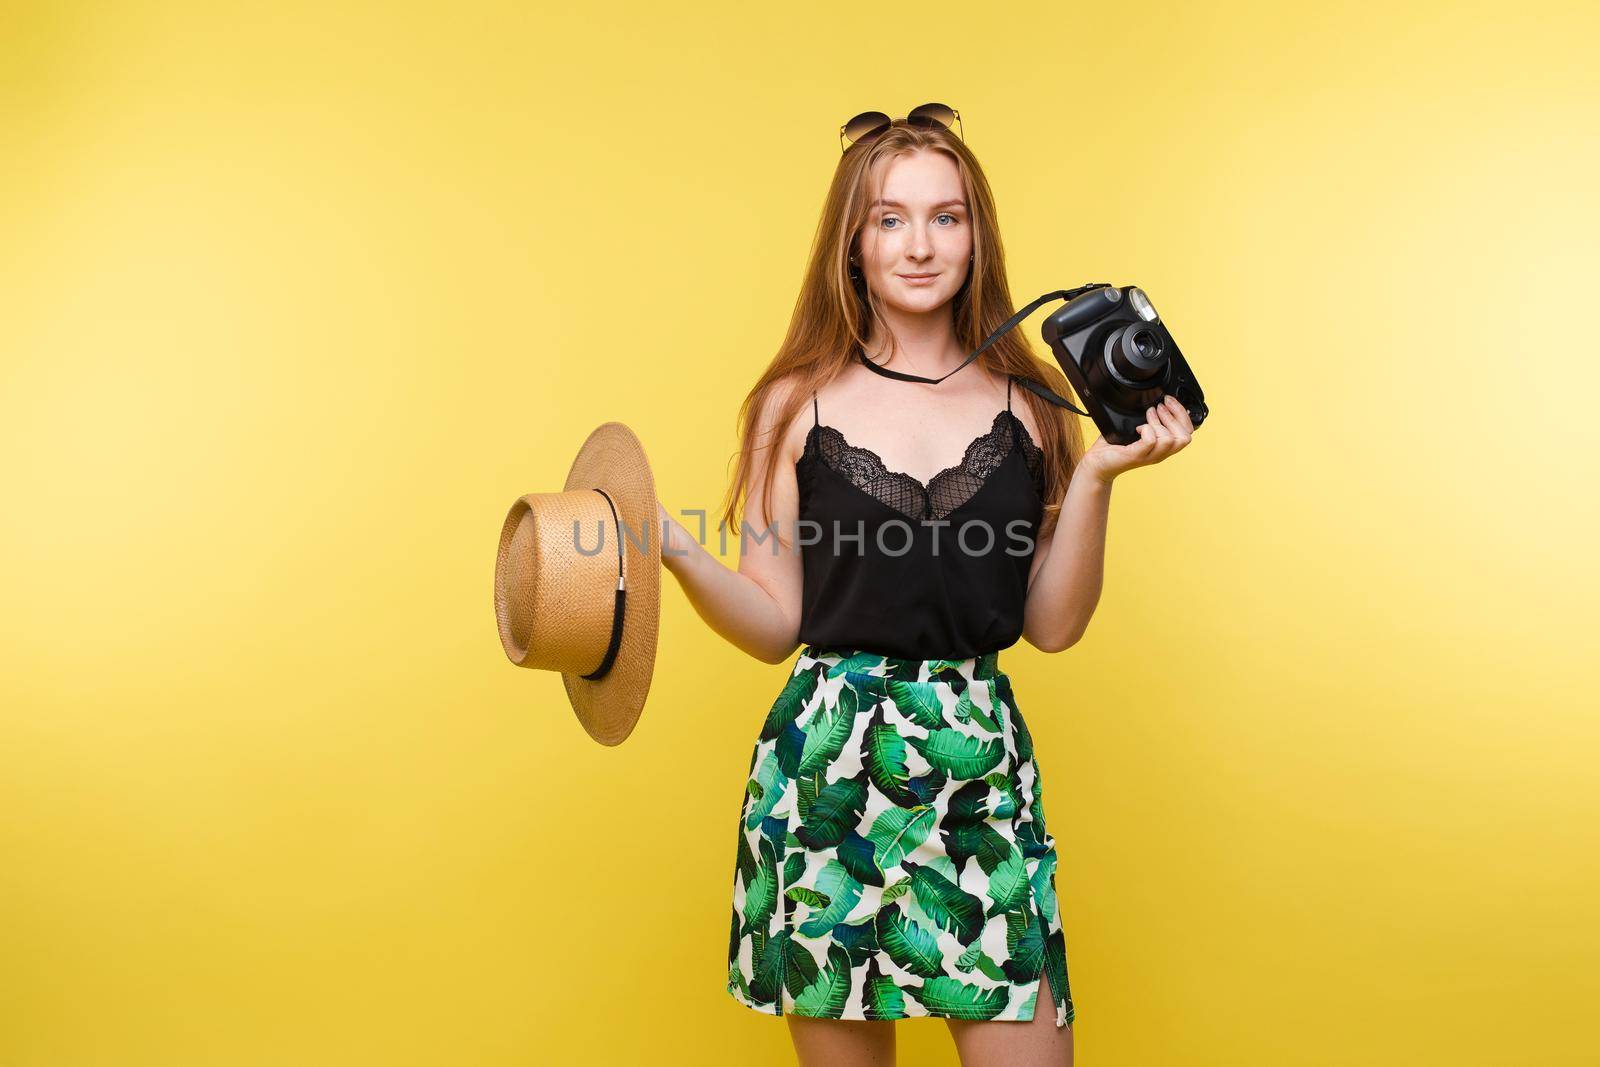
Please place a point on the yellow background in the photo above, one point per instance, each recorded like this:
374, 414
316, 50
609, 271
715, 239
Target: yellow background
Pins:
295, 301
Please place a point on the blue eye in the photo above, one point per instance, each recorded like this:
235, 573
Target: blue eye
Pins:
941, 215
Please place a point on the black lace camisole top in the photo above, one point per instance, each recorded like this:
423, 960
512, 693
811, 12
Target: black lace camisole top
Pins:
935, 571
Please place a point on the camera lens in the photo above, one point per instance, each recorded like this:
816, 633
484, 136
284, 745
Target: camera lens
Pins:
1134, 356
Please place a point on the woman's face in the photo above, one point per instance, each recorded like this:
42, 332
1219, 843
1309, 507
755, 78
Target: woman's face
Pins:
919, 226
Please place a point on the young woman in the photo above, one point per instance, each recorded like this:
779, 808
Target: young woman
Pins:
892, 856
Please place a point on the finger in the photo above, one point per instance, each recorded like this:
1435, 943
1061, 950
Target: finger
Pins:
1174, 424
1140, 450
1133, 449
1171, 436
1182, 412
1169, 421
1153, 420
1160, 441
1169, 445
1178, 419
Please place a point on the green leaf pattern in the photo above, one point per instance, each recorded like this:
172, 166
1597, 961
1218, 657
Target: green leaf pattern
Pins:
892, 858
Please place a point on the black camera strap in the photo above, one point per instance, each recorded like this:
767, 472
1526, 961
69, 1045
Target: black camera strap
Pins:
1027, 383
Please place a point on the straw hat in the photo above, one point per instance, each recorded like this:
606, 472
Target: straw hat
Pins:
558, 598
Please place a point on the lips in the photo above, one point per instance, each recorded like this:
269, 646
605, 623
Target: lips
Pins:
914, 277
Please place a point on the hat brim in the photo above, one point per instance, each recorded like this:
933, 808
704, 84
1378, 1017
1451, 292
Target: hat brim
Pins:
613, 459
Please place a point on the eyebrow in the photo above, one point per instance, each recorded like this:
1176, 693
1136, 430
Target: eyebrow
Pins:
896, 203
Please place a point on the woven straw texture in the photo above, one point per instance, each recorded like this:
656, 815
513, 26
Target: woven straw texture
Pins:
553, 604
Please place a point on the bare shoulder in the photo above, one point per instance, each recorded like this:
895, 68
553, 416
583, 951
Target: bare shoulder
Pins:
778, 399
1024, 411
1029, 421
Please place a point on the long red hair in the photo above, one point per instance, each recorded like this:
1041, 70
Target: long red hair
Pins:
833, 315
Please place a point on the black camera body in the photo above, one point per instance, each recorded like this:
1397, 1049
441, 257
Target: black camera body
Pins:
1120, 359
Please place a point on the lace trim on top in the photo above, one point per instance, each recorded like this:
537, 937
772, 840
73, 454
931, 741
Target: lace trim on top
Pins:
945, 491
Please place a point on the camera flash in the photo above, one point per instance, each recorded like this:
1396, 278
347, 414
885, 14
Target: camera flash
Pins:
1141, 304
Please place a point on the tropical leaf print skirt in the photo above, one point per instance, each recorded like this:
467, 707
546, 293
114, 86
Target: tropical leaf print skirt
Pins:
893, 859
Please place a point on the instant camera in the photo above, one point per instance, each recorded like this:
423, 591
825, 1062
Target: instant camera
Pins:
1119, 357
1115, 351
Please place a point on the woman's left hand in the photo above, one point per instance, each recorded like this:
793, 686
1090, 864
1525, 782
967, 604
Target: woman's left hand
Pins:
1166, 430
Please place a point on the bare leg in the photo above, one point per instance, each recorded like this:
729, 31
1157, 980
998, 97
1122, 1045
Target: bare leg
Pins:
1038, 1043
842, 1042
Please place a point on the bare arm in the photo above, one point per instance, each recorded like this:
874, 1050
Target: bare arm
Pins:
1069, 565
757, 607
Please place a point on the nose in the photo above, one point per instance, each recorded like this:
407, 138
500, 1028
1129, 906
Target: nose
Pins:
920, 248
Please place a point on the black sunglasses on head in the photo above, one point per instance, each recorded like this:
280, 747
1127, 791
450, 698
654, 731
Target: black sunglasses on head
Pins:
869, 124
